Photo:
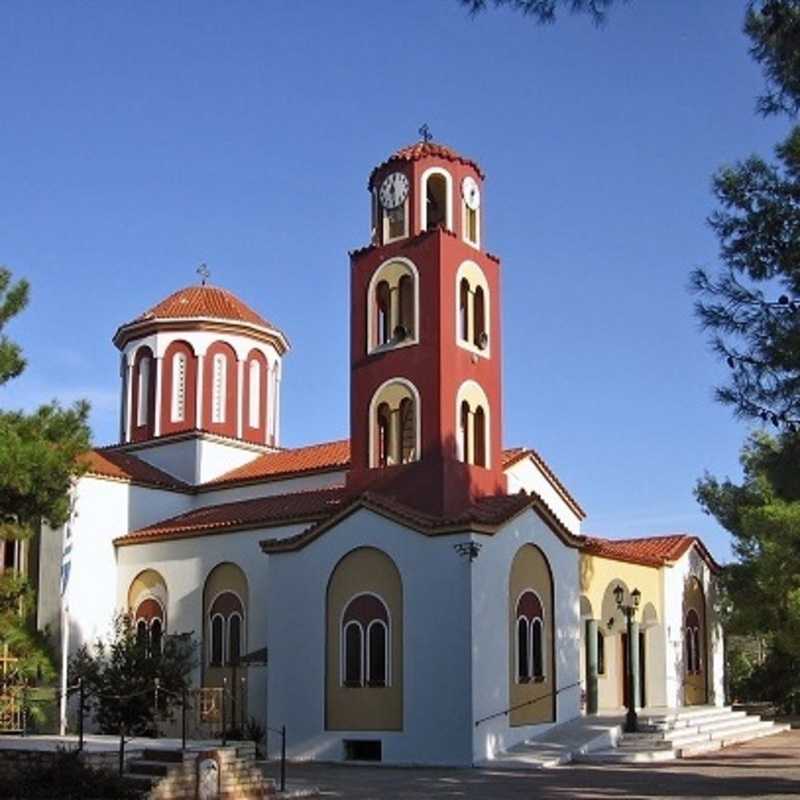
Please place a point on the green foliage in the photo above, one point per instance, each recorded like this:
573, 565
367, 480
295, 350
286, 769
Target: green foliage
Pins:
773, 27
13, 298
119, 678
68, 778
752, 308
546, 10
762, 587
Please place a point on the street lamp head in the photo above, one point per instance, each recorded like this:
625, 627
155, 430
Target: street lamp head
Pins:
636, 596
619, 594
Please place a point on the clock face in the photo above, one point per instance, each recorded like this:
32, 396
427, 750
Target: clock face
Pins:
394, 190
471, 192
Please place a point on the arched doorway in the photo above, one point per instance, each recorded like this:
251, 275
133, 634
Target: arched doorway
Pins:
695, 649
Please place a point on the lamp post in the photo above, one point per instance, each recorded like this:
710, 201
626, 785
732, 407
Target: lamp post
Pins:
629, 610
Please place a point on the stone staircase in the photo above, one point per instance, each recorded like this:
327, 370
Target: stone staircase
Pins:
171, 774
682, 733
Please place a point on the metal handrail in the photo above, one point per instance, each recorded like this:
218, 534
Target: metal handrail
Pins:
526, 703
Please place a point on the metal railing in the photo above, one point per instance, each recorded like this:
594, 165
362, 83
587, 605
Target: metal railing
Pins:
516, 707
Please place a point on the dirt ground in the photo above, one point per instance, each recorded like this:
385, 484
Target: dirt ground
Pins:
765, 768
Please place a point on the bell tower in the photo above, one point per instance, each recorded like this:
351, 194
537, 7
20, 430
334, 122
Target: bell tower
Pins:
425, 393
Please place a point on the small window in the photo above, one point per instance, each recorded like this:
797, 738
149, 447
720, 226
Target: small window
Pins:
383, 434
408, 431
234, 639
479, 419
436, 201
156, 632
353, 638
396, 222
523, 656
217, 634
392, 305
362, 750
178, 405
394, 426
464, 432
383, 313
405, 327
141, 633
471, 224
219, 388
463, 309
537, 649
376, 654
479, 336
255, 394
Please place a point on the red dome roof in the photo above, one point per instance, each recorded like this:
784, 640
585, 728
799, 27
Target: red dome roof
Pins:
420, 150
201, 302
204, 301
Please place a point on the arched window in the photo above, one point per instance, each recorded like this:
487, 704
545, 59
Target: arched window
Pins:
463, 309
365, 642
178, 404
234, 638
436, 201
471, 225
219, 387
530, 637
149, 617
254, 404
480, 337
155, 637
217, 648
227, 629
353, 649
406, 321
408, 431
463, 432
395, 428
392, 305
693, 642
143, 391
383, 310
472, 424
479, 419
472, 309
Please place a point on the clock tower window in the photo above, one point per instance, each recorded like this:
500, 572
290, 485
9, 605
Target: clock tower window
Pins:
437, 190
392, 306
472, 318
472, 410
395, 425
393, 198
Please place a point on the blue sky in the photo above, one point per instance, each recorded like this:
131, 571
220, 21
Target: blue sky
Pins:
137, 140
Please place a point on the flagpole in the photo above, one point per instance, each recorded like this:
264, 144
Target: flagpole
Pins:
64, 663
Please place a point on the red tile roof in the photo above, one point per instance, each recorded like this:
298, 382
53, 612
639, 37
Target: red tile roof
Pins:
653, 551
324, 457
126, 467
282, 509
420, 150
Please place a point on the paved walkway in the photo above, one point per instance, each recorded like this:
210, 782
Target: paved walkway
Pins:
765, 768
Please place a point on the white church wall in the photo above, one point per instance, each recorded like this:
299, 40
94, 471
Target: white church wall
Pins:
691, 564
526, 475
185, 564
178, 458
436, 677
217, 456
302, 483
490, 638
104, 510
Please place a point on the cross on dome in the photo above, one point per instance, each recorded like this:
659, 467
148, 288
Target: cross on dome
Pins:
204, 272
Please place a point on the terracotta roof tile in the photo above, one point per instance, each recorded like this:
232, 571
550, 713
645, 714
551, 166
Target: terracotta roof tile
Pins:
324, 457
654, 551
420, 150
201, 302
258, 512
126, 467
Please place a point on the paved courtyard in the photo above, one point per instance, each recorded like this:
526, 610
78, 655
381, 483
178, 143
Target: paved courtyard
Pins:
766, 768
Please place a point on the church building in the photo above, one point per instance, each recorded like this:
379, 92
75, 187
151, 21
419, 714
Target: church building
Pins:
417, 594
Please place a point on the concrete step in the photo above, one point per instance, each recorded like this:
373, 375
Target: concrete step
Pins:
767, 729
618, 756
684, 719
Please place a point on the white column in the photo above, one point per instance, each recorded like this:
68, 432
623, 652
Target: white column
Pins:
239, 397
128, 401
157, 420
198, 423
277, 407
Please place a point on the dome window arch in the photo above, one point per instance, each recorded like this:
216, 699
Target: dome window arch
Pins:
473, 425
473, 309
394, 424
144, 386
436, 206
219, 388
393, 305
